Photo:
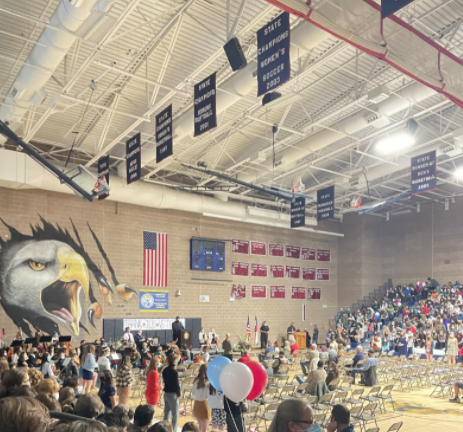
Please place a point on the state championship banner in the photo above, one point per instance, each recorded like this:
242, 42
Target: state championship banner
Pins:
323, 255
277, 291
273, 62
240, 246
325, 203
259, 291
103, 173
308, 274
276, 249
240, 268
164, 142
258, 248
133, 158
238, 291
259, 270
150, 324
308, 254
314, 293
298, 212
277, 271
293, 252
424, 172
293, 272
388, 7
205, 110
298, 293
154, 301
323, 274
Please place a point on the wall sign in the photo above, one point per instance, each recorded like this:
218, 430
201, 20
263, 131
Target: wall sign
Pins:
259, 270
314, 294
424, 172
308, 273
298, 293
238, 291
133, 158
240, 268
277, 291
308, 254
240, 246
298, 212
277, 271
258, 248
323, 274
323, 255
150, 324
293, 252
276, 249
388, 7
293, 272
273, 63
205, 111
325, 203
103, 173
164, 143
154, 301
258, 291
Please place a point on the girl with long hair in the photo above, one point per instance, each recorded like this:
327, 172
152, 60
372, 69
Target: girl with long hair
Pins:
218, 414
452, 348
200, 393
107, 392
124, 378
89, 375
152, 382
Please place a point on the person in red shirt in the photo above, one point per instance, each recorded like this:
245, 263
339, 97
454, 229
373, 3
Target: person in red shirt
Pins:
244, 357
294, 347
152, 383
426, 309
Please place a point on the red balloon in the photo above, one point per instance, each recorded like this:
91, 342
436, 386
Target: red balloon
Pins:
260, 379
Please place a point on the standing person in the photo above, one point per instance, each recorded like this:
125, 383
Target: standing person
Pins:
138, 338
124, 378
340, 420
429, 346
227, 347
171, 391
128, 337
264, 329
200, 393
315, 335
89, 369
177, 328
152, 383
433, 284
290, 330
452, 348
103, 364
107, 392
234, 417
215, 403
307, 338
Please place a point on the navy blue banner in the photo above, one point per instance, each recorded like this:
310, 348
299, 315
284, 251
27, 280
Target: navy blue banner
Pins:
298, 212
133, 158
325, 203
273, 64
205, 111
164, 144
388, 7
103, 173
424, 173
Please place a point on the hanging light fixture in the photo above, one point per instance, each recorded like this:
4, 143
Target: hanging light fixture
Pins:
398, 141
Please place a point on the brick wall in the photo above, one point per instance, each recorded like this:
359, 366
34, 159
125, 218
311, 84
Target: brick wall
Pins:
119, 228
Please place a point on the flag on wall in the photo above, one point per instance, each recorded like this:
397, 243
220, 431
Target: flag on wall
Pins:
248, 331
255, 331
154, 259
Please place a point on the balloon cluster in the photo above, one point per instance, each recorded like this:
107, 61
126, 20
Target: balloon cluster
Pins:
237, 381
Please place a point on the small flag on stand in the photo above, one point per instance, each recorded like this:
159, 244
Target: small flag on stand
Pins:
248, 331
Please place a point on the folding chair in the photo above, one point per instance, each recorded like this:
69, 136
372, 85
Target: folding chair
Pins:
288, 391
333, 385
385, 395
368, 415
267, 415
300, 391
250, 417
312, 400
395, 427
375, 429
324, 403
355, 412
270, 396
354, 398
372, 395
338, 398
320, 419
345, 384
441, 386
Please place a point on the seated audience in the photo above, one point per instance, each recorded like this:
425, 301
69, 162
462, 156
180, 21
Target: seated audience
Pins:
244, 357
370, 362
89, 405
340, 420
293, 415
314, 377
23, 414
333, 374
143, 418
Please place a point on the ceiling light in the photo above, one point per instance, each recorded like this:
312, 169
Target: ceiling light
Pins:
458, 173
394, 143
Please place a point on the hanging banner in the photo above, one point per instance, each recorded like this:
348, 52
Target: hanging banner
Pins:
323, 255
240, 246
298, 293
424, 172
298, 212
133, 158
259, 270
164, 143
154, 301
277, 271
205, 111
293, 252
308, 254
323, 274
278, 292
150, 323
293, 272
103, 173
388, 7
314, 293
240, 268
325, 203
308, 273
273, 63
258, 248
239, 291
259, 291
276, 249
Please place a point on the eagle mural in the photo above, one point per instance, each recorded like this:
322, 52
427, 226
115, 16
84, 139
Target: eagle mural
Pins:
42, 276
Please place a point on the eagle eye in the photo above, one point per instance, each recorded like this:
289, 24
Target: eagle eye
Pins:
37, 266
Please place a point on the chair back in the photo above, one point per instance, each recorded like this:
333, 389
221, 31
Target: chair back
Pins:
395, 427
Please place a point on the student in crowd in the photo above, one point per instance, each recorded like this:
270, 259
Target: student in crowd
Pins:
215, 404
340, 420
124, 378
171, 391
107, 392
152, 382
23, 414
45, 367
200, 393
333, 374
143, 418
89, 375
244, 357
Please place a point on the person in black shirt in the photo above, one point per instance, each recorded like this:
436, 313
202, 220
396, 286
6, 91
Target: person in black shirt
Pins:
31, 361
264, 329
290, 330
177, 328
234, 417
307, 338
171, 391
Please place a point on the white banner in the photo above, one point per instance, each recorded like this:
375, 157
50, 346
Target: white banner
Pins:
150, 324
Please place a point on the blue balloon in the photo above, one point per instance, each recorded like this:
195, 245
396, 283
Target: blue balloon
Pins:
214, 369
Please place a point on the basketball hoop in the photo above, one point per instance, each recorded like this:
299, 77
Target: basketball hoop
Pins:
297, 185
356, 201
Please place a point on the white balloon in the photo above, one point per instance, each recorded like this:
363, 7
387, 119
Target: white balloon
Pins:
236, 381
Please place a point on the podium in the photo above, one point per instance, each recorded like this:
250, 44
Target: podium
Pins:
185, 338
300, 339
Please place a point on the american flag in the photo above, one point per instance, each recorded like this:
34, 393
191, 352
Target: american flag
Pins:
255, 331
248, 331
154, 259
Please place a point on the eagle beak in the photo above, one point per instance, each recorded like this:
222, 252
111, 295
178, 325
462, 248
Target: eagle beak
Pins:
74, 272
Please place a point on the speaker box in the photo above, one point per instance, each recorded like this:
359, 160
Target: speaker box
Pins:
235, 54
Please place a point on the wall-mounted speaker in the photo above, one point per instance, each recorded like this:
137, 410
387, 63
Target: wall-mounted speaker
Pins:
235, 54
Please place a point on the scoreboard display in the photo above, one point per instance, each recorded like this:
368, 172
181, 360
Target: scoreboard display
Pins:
207, 255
